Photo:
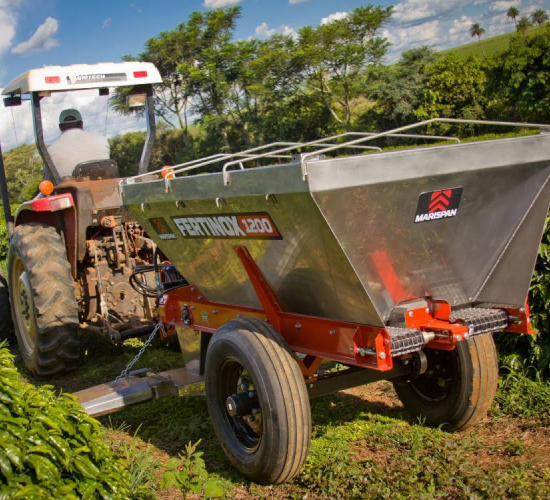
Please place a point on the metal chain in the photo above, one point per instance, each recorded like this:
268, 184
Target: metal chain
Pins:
131, 364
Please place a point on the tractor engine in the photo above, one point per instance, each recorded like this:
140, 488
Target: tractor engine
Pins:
108, 301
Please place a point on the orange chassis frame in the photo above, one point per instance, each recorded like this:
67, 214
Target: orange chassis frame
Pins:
318, 338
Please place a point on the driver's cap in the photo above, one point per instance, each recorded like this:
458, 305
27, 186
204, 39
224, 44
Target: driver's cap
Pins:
70, 116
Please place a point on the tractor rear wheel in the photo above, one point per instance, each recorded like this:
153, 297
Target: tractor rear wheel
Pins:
6, 323
458, 386
258, 401
43, 302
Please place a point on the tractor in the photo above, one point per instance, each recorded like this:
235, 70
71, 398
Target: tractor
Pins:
73, 250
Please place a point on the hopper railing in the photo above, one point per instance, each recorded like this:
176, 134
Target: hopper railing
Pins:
397, 132
253, 153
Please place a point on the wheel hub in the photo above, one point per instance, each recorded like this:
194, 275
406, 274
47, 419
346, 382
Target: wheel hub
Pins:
242, 404
23, 305
436, 383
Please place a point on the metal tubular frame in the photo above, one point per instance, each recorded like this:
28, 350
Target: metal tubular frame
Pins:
289, 146
397, 132
147, 152
417, 125
39, 138
5, 196
247, 155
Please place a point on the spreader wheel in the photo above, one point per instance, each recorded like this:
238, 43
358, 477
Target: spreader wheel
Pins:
6, 323
258, 401
458, 386
43, 302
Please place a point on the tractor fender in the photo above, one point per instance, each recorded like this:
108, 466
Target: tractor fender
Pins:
56, 211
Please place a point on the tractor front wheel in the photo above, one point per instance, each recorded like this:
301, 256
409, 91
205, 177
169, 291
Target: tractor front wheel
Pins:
6, 323
458, 386
258, 401
43, 302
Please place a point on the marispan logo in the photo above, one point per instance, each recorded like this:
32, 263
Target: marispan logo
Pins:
440, 200
435, 205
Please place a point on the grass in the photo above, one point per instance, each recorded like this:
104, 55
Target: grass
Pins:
486, 47
364, 445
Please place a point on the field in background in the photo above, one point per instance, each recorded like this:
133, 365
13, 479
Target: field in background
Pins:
487, 47
364, 444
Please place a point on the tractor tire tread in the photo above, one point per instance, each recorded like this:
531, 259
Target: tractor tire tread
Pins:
57, 343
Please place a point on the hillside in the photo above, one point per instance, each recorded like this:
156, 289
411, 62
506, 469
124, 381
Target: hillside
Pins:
487, 47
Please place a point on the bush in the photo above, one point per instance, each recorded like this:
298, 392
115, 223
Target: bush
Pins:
522, 392
50, 448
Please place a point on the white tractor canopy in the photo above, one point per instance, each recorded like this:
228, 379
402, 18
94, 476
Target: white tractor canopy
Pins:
83, 76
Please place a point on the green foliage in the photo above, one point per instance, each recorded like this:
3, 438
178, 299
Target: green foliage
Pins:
126, 151
398, 89
522, 392
188, 473
454, 89
337, 54
142, 466
23, 172
521, 78
49, 448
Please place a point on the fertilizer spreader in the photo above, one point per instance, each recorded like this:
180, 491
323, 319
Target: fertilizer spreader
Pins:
396, 265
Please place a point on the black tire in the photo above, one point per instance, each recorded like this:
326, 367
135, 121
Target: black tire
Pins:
43, 303
6, 323
458, 387
273, 448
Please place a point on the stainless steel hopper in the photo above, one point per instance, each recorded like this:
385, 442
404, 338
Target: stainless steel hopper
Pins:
349, 238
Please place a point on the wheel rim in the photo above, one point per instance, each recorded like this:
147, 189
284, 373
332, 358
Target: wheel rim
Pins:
23, 304
236, 384
439, 380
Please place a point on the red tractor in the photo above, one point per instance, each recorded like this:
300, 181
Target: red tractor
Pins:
74, 254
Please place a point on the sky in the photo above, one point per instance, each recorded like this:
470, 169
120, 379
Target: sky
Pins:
35, 33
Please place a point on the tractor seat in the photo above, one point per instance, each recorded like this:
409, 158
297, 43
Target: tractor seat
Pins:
96, 170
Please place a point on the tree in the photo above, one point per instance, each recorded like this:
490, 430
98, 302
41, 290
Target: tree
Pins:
337, 54
23, 172
477, 30
398, 89
184, 56
455, 89
520, 78
539, 17
126, 151
523, 25
513, 14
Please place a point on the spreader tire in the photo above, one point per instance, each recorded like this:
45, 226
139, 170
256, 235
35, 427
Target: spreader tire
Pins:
458, 387
43, 302
6, 323
248, 357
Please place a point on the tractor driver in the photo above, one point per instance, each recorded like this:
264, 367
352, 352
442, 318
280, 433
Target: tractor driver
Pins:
75, 146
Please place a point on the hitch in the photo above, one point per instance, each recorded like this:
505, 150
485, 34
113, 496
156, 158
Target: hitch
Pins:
129, 391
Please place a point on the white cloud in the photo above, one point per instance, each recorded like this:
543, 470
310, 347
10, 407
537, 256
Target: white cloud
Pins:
294, 2
8, 24
42, 39
461, 29
334, 17
88, 102
218, 4
503, 5
107, 22
413, 36
416, 11
263, 30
